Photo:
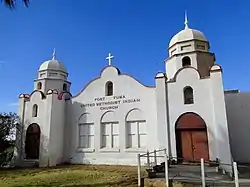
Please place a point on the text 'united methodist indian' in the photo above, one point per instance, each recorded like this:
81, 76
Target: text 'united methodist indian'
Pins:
107, 103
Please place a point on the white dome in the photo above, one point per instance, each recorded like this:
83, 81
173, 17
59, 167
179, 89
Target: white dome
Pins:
53, 65
187, 34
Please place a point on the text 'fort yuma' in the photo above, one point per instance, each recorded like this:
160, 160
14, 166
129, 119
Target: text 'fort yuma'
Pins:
107, 103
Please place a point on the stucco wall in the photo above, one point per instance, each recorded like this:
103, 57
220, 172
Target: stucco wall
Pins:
220, 119
202, 104
238, 116
162, 112
42, 120
125, 87
56, 126
205, 92
67, 132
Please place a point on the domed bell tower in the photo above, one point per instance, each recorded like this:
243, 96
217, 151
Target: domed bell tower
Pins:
52, 74
189, 48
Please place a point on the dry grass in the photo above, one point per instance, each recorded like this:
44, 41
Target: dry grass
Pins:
73, 175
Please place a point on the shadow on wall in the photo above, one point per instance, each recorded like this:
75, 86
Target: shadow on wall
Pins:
44, 157
19, 144
225, 156
72, 147
43, 145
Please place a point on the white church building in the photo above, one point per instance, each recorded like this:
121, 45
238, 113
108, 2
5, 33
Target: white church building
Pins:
115, 116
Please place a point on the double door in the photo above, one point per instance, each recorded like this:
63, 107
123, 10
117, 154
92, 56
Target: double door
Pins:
194, 145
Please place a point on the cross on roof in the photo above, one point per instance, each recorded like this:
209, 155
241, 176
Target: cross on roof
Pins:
109, 58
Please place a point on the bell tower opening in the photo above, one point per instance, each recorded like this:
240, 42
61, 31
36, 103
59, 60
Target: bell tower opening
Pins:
186, 61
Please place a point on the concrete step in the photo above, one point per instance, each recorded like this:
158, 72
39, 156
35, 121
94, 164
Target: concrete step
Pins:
175, 183
30, 163
191, 174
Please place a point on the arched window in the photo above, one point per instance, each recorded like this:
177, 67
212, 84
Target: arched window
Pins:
39, 85
110, 131
188, 95
64, 87
109, 88
34, 110
186, 61
136, 129
86, 131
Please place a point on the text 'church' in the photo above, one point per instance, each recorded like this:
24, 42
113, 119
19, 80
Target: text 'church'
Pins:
115, 117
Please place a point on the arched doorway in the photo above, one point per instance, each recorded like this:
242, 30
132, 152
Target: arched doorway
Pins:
32, 142
191, 138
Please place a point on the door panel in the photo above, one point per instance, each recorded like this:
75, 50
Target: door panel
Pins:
200, 144
32, 142
186, 141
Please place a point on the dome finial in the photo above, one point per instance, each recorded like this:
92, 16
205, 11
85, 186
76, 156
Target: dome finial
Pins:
54, 54
186, 20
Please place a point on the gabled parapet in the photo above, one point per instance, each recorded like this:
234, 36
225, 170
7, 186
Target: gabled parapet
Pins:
186, 72
27, 97
64, 95
110, 74
43, 96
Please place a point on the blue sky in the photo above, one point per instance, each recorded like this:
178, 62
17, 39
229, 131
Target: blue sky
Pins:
137, 32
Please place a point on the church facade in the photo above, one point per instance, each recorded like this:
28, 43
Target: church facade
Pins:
115, 116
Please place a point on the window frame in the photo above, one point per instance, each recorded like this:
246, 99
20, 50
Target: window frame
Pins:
39, 85
188, 99
109, 146
88, 135
35, 110
109, 88
137, 134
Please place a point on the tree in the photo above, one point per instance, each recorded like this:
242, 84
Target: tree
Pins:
8, 128
12, 3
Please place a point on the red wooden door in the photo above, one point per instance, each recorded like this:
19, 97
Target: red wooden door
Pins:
187, 147
200, 145
194, 145
191, 131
